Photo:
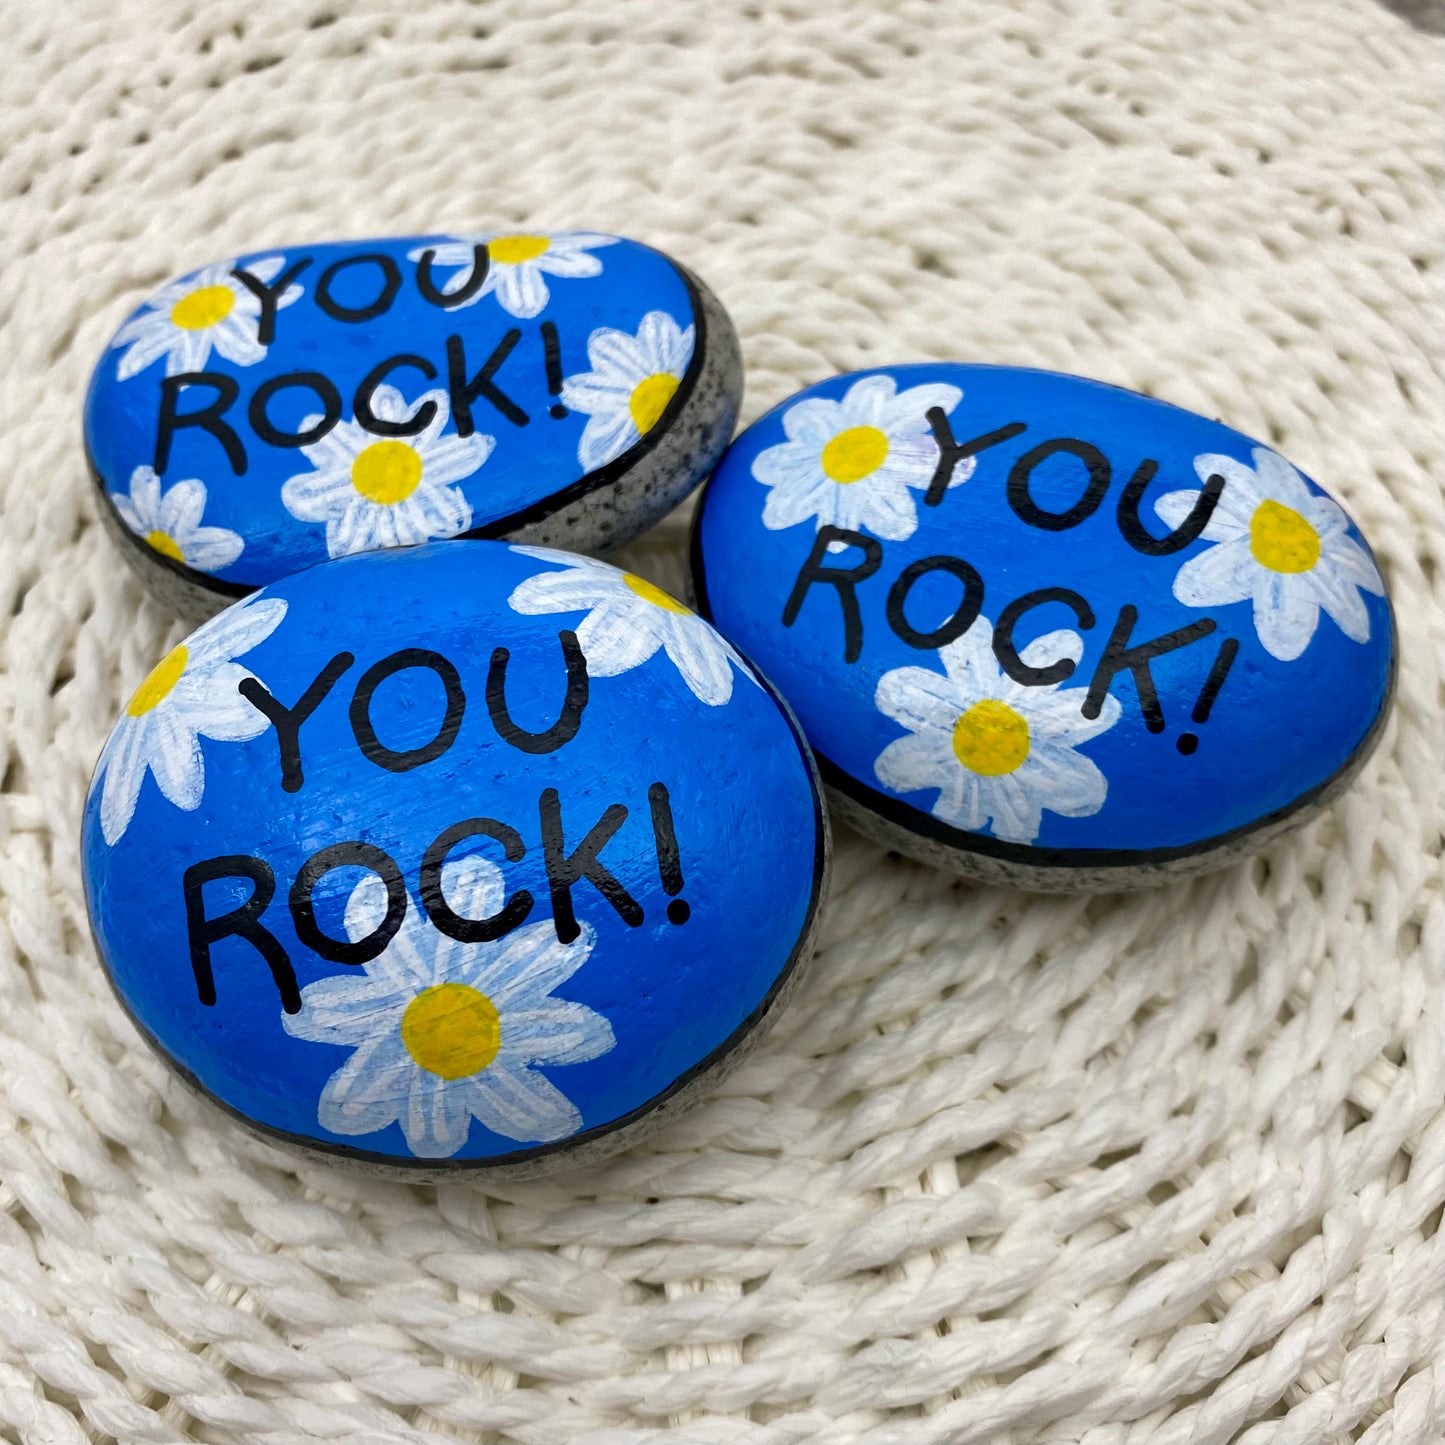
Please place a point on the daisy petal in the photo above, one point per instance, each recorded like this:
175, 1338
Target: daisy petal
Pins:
1218, 576
145, 497
234, 340
1065, 782
125, 770
908, 411
438, 1117
921, 700
175, 761
869, 400
1014, 815
129, 515
594, 392
788, 505
1355, 565
701, 658
886, 509
1342, 601
209, 549
519, 1103
344, 1009
617, 355
1285, 616
181, 508
520, 290
238, 629
556, 1032
665, 346
616, 639
368, 1092
1237, 502
209, 702
910, 764
605, 438
1053, 647
814, 422
1173, 508
1280, 480
151, 344
318, 496
570, 591
454, 457
528, 964
572, 265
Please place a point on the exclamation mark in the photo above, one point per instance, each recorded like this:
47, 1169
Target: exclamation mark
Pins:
552, 349
669, 864
1222, 663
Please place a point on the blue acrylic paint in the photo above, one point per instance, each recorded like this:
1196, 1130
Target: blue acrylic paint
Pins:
1043, 621
303, 403
453, 854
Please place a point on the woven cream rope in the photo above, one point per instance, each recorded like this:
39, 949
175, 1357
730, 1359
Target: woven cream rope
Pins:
1159, 1168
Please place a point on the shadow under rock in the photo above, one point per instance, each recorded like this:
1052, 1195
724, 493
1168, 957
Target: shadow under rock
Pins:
1426, 15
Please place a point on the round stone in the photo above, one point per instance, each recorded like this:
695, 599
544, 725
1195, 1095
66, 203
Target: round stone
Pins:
301, 403
1043, 631
466, 856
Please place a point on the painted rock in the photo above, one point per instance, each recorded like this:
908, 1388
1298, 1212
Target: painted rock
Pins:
1044, 631
463, 856
264, 414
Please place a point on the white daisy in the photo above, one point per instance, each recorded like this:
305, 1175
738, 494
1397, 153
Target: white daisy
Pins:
445, 1032
851, 463
517, 265
627, 620
998, 752
170, 522
191, 694
631, 382
209, 308
1279, 544
387, 491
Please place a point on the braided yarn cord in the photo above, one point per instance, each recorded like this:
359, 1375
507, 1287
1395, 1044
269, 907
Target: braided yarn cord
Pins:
1158, 1168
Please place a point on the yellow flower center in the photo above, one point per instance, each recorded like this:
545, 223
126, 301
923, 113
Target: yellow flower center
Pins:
165, 544
157, 686
991, 738
649, 400
203, 308
855, 454
386, 472
513, 250
654, 595
451, 1030
1282, 540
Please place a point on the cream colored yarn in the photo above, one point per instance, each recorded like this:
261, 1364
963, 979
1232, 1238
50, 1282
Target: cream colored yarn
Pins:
1167, 1167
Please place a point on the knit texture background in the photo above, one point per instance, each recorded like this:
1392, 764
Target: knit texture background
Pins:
1166, 1167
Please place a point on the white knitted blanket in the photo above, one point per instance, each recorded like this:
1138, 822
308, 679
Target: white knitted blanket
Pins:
1167, 1167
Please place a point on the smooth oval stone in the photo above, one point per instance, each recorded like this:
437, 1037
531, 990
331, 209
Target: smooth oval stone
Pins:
462, 856
1044, 631
301, 403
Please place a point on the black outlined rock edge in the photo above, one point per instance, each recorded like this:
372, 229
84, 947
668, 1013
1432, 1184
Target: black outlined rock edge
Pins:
919, 834
716, 364
603, 1140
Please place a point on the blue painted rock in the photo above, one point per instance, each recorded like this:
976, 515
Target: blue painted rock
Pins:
462, 856
1044, 631
264, 414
